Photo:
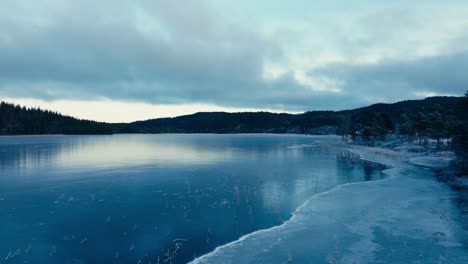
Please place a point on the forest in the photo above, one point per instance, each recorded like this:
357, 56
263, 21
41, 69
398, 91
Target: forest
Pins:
20, 120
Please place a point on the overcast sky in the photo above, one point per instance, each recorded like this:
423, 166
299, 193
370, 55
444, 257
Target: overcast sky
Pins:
127, 60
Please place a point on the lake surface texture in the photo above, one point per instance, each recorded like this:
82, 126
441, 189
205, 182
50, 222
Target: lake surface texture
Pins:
150, 198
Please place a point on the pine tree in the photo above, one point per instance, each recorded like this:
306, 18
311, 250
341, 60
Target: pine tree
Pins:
375, 126
421, 125
407, 127
438, 126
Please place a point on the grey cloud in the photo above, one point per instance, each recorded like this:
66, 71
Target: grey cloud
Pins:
391, 80
167, 52
81, 53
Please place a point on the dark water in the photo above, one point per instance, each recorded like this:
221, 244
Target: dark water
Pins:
126, 198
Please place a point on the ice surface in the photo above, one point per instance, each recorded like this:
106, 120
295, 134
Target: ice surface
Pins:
60, 204
405, 218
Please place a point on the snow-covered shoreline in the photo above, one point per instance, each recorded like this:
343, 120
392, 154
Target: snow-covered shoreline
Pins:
393, 220
439, 161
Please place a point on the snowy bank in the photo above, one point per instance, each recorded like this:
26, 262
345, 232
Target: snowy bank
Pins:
392, 152
435, 160
426, 155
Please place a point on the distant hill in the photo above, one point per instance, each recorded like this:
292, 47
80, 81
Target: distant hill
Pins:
425, 105
17, 120
314, 122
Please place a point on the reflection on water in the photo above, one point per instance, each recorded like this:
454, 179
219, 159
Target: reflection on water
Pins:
131, 198
103, 151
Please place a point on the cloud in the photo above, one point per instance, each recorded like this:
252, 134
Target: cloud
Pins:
189, 55
165, 52
390, 80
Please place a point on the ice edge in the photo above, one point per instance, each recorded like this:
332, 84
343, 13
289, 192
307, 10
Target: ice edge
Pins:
391, 166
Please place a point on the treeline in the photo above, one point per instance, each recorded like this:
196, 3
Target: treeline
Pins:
432, 122
18, 120
372, 121
247, 122
423, 123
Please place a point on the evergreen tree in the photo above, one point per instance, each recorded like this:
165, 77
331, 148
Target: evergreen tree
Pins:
347, 127
407, 127
375, 126
438, 126
421, 125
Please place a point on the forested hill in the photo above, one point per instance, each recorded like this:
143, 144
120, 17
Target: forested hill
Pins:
16, 120
395, 109
315, 122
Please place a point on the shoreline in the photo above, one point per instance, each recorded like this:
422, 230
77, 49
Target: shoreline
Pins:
396, 161
175, 133
294, 214
297, 211
438, 161
202, 258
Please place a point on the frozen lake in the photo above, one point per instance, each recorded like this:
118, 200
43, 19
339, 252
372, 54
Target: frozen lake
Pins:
172, 198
